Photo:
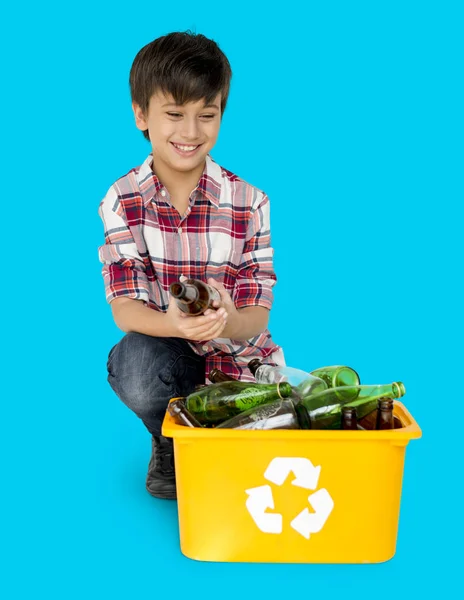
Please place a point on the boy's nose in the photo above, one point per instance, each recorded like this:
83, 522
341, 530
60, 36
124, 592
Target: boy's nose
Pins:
190, 130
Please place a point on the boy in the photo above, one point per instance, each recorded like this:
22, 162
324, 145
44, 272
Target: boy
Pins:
177, 215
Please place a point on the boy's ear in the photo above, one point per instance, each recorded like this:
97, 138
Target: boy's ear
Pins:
140, 118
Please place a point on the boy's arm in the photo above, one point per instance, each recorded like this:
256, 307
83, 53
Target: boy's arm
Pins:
123, 271
248, 309
133, 315
243, 323
127, 287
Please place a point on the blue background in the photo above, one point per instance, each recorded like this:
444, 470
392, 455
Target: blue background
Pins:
349, 116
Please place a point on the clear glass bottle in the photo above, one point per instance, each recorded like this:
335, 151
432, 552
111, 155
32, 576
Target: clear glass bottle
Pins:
275, 415
303, 383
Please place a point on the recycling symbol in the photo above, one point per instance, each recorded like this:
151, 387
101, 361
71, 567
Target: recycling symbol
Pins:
306, 476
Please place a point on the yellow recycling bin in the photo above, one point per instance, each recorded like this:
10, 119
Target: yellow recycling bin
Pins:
290, 495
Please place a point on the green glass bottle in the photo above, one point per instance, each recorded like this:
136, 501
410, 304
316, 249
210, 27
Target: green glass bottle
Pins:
221, 401
324, 409
303, 383
337, 375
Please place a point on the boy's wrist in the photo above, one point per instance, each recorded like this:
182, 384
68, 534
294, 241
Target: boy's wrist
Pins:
169, 326
231, 330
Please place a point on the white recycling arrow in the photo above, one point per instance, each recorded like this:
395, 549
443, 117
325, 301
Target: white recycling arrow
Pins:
306, 522
307, 475
259, 499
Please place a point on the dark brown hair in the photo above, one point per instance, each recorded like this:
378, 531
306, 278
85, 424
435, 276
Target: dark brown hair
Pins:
187, 65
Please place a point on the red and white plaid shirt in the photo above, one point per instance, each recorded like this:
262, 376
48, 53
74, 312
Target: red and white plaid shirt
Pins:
224, 234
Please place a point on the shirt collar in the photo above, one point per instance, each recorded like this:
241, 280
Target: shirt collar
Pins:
209, 184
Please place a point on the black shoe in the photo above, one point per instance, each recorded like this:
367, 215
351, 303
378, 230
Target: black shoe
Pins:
161, 480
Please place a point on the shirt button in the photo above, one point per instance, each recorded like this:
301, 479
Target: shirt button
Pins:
179, 230
163, 192
205, 348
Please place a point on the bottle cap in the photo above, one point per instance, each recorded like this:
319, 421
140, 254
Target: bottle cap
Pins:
254, 364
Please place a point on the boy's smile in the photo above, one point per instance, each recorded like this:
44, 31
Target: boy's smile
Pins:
181, 135
185, 150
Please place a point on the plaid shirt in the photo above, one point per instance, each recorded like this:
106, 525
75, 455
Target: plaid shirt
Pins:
224, 234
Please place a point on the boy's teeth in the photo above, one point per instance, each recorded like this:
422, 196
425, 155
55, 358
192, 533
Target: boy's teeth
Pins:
185, 148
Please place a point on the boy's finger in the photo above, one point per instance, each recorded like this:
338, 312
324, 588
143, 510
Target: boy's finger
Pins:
215, 330
217, 284
210, 331
201, 324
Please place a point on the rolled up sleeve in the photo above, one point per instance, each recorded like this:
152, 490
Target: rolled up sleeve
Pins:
123, 268
256, 277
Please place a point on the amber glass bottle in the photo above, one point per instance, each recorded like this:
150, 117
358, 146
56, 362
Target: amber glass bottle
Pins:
193, 296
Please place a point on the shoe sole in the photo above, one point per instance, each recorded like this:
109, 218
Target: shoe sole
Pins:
163, 495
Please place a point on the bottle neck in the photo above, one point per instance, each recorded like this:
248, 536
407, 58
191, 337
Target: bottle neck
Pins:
349, 418
218, 376
303, 417
254, 365
385, 413
186, 292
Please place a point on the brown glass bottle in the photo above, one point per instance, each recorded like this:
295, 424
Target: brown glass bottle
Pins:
216, 376
385, 414
181, 415
397, 422
349, 418
370, 421
193, 296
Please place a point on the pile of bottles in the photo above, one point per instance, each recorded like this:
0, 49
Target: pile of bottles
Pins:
287, 398
282, 397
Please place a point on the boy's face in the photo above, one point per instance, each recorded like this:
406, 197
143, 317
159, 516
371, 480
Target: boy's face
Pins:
181, 136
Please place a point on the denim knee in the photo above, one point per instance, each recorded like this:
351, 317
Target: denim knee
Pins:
145, 372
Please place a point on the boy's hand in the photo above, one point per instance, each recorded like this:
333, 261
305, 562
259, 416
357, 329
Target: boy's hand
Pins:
200, 328
226, 303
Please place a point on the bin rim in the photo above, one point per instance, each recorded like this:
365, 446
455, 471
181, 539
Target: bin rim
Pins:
409, 431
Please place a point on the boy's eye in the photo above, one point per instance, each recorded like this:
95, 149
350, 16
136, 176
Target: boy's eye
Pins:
176, 115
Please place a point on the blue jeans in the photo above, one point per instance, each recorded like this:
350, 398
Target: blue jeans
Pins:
146, 372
